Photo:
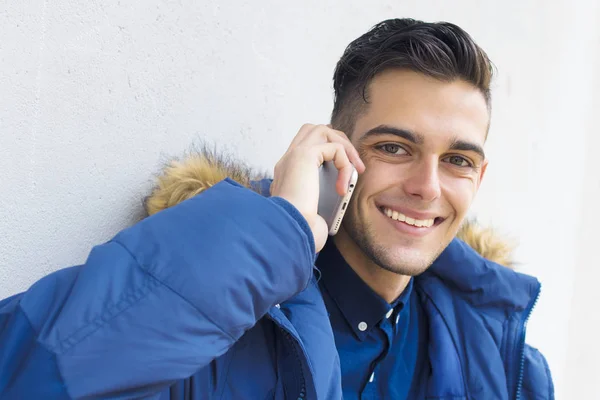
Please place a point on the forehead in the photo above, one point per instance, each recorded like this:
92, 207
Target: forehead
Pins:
440, 111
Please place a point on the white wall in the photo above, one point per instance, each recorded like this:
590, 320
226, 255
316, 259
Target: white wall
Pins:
582, 371
95, 95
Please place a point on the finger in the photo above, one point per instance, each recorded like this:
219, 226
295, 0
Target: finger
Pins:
353, 154
336, 152
301, 135
350, 149
323, 133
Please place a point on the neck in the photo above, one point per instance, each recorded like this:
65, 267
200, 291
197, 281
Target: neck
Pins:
389, 285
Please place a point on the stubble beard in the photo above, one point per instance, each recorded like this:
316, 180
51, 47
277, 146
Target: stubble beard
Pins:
364, 236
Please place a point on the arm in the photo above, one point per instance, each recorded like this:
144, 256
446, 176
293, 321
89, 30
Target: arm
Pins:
158, 302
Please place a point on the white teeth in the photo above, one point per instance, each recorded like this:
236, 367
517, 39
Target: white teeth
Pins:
426, 223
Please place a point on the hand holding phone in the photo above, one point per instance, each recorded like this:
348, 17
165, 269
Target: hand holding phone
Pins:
297, 175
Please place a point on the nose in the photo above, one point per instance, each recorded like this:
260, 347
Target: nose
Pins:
423, 180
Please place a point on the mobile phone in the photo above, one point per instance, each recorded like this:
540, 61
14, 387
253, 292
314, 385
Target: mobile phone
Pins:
332, 206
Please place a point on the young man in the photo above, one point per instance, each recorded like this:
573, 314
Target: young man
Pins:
221, 294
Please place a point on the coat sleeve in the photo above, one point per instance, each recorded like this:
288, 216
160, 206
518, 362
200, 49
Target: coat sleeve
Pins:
158, 302
537, 379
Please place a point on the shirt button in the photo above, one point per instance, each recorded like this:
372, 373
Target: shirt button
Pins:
362, 326
397, 318
372, 378
389, 313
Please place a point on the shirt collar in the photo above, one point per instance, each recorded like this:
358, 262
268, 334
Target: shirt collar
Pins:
358, 303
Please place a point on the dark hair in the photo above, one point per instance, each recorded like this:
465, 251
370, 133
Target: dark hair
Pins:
440, 50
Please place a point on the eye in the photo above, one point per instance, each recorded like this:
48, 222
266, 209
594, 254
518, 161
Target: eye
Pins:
392, 148
459, 161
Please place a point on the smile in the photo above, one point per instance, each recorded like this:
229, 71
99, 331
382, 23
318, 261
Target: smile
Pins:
398, 216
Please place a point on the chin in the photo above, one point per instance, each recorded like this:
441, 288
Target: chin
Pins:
411, 262
403, 260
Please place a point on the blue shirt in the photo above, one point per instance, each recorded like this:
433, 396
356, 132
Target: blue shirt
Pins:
382, 346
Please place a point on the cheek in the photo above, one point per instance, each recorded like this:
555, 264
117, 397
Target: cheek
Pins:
375, 179
459, 193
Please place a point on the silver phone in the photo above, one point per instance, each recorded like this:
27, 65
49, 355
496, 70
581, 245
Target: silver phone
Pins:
332, 206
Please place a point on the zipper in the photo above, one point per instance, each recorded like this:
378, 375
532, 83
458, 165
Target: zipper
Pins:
522, 344
294, 346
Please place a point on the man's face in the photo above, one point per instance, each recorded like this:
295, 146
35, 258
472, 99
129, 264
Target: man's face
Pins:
421, 140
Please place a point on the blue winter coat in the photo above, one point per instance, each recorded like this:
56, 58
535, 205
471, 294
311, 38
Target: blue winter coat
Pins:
216, 298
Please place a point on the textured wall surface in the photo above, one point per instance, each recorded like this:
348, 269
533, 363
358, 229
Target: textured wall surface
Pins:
96, 95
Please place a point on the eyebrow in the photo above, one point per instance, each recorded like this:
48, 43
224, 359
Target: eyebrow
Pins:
467, 146
413, 137
419, 139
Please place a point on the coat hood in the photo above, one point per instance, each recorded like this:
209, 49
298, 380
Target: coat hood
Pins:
185, 178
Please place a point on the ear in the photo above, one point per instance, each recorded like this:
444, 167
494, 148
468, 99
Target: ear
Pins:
482, 172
